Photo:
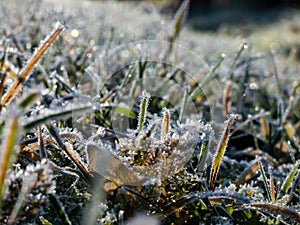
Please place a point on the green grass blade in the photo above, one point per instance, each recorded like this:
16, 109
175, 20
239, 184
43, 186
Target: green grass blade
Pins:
266, 183
143, 109
44, 221
220, 152
184, 102
289, 179
203, 155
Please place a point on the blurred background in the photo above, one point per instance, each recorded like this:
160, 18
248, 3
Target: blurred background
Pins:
213, 14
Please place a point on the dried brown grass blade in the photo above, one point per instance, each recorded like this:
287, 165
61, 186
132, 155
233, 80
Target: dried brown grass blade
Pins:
248, 173
82, 168
13, 90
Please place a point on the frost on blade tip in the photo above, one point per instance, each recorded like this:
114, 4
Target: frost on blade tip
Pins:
60, 25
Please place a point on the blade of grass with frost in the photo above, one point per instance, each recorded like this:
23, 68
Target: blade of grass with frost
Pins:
165, 126
273, 209
220, 152
243, 47
203, 155
184, 102
57, 115
177, 24
266, 183
272, 185
7, 149
191, 198
70, 153
57, 205
248, 173
143, 109
289, 179
13, 90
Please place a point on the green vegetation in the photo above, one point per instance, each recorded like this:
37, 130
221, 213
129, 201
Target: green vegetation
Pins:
112, 118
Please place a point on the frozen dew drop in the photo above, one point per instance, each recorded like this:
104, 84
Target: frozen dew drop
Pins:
75, 33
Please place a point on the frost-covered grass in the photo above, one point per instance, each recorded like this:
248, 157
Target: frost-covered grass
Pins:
117, 115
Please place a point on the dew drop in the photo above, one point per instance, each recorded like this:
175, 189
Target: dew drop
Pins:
75, 33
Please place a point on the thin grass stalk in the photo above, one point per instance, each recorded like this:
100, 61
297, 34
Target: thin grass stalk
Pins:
266, 183
41, 144
272, 185
184, 102
280, 101
177, 24
203, 155
243, 47
7, 149
13, 90
220, 151
264, 126
199, 89
227, 102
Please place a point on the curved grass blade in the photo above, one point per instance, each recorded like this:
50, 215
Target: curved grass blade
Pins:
57, 115
232, 197
275, 210
7, 149
220, 151
13, 90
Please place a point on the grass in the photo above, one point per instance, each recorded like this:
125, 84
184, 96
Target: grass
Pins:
126, 121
